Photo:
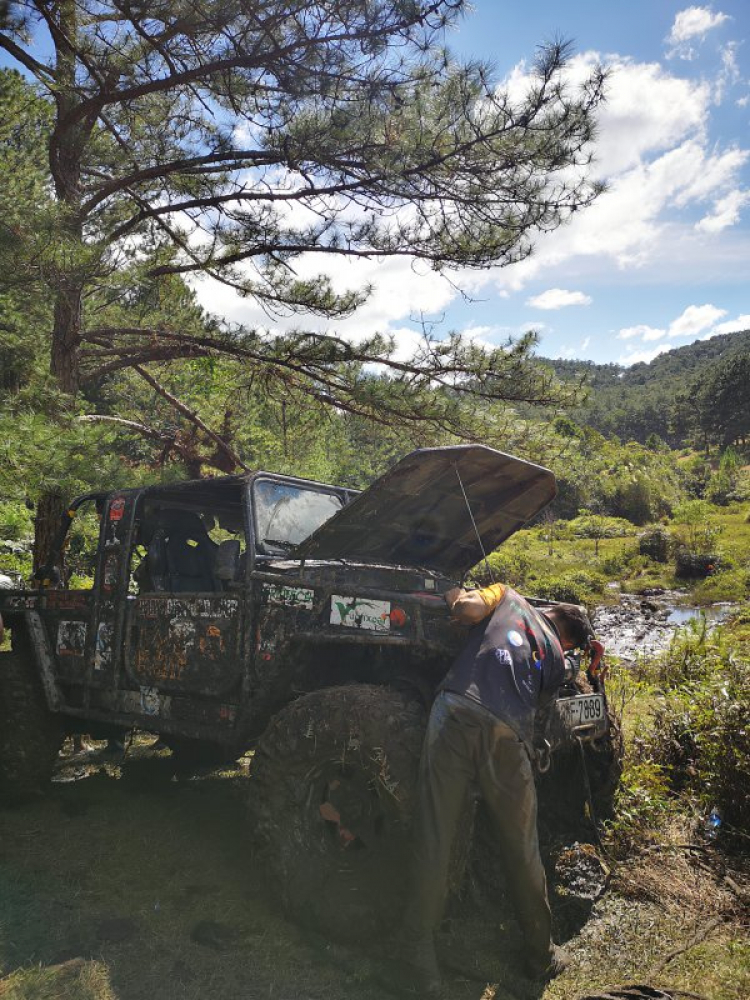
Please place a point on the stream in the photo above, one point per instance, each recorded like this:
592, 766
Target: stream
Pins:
641, 625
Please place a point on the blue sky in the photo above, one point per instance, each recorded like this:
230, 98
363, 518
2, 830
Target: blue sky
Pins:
666, 257
663, 258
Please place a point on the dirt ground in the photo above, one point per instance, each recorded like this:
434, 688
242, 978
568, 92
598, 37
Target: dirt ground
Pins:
131, 882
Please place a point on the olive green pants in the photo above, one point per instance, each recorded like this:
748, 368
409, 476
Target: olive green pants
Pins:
468, 750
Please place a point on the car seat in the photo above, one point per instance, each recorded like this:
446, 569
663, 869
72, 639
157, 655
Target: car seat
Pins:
181, 554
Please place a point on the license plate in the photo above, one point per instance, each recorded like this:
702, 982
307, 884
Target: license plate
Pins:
585, 711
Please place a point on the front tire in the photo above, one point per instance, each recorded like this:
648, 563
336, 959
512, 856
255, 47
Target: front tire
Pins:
333, 782
563, 798
30, 735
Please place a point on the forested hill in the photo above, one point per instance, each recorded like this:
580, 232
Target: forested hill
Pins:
678, 396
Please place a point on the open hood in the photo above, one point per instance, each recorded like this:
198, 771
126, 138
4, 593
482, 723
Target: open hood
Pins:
417, 513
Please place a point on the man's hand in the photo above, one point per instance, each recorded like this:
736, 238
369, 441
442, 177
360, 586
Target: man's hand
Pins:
451, 596
469, 607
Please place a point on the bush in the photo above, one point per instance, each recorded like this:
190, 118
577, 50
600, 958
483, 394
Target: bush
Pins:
654, 543
643, 796
509, 566
700, 732
689, 564
635, 501
575, 588
598, 526
614, 565
731, 584
16, 522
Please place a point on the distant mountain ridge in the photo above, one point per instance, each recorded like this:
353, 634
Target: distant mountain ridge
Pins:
634, 402
686, 359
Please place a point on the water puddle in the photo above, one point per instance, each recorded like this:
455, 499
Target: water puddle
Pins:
642, 626
715, 613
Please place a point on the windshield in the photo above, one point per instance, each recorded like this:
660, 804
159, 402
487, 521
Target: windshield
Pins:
287, 514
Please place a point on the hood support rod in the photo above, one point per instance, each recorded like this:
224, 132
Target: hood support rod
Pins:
474, 524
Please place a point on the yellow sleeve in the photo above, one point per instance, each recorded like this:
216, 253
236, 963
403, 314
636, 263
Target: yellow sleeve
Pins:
492, 595
473, 606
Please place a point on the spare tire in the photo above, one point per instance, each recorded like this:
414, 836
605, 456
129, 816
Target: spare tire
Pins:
332, 789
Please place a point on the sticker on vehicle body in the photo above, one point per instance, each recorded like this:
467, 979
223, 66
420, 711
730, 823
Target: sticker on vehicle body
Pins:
294, 597
150, 701
21, 602
103, 646
361, 612
117, 508
71, 638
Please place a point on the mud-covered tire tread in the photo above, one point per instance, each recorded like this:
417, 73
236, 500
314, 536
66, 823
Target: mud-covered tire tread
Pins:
604, 765
30, 735
562, 791
348, 894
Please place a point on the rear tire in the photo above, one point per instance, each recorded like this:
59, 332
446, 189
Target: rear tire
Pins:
332, 790
30, 735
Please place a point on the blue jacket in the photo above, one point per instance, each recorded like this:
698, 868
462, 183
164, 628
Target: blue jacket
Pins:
512, 664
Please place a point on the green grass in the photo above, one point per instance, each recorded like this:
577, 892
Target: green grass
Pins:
74, 980
106, 881
537, 565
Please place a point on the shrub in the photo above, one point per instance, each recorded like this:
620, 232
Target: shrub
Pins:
731, 584
689, 564
643, 796
15, 522
598, 526
509, 566
614, 565
654, 543
634, 501
700, 733
576, 587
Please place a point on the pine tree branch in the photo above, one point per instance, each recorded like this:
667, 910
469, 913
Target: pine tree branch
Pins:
37, 69
193, 417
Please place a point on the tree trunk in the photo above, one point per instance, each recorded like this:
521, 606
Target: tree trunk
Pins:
66, 338
49, 510
66, 154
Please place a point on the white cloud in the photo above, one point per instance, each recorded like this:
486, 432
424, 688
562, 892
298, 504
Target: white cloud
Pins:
585, 343
558, 298
742, 102
653, 148
691, 322
731, 326
489, 336
648, 110
730, 71
642, 331
726, 212
401, 290
645, 356
710, 173
694, 320
691, 24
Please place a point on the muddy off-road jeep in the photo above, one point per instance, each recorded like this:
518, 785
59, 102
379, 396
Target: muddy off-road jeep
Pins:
302, 620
